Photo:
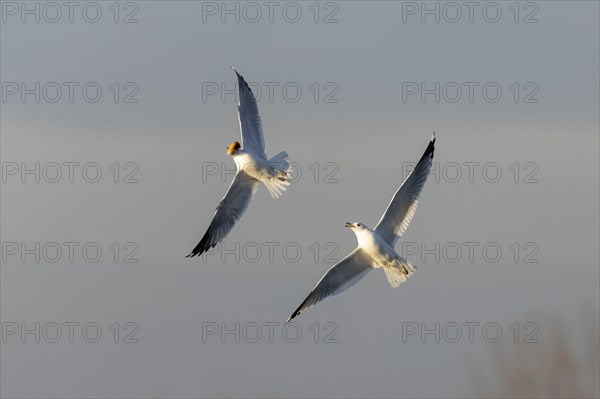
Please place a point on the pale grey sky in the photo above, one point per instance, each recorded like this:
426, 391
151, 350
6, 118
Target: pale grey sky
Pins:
351, 133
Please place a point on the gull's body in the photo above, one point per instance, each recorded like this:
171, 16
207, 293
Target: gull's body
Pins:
260, 169
382, 255
375, 248
253, 167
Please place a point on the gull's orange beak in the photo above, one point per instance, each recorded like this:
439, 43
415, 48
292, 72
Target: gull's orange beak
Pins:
233, 147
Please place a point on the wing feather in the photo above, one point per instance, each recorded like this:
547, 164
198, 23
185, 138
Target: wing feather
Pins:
340, 277
250, 122
229, 211
402, 207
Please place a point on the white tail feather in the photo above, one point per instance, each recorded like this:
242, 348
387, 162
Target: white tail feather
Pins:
279, 161
280, 175
399, 273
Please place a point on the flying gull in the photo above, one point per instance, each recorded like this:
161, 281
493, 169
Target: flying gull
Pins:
376, 247
253, 167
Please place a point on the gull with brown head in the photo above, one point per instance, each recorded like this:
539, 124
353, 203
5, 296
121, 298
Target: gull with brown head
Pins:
253, 167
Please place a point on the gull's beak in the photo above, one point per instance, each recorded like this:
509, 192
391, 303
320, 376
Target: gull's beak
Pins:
348, 224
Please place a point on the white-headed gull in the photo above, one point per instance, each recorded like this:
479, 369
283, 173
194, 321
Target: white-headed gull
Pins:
376, 247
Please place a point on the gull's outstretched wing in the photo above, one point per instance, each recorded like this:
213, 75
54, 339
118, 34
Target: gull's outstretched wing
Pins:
343, 275
230, 210
250, 123
403, 206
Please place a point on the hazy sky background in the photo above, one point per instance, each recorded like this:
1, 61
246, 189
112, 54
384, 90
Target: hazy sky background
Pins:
365, 139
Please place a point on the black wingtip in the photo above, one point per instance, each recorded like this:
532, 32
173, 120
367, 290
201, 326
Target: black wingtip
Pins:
299, 310
430, 148
203, 246
241, 81
296, 313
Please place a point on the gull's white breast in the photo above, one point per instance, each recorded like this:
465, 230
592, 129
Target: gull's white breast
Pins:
251, 164
376, 247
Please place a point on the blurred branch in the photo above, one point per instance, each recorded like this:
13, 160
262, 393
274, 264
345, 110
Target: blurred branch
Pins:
563, 364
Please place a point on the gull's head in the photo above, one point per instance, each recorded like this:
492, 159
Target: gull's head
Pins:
356, 227
233, 147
